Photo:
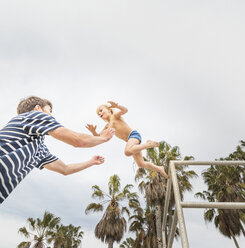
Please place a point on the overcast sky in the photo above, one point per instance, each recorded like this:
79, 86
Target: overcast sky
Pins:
178, 66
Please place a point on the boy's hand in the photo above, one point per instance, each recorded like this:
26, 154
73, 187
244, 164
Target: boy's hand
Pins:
95, 160
91, 128
107, 134
113, 104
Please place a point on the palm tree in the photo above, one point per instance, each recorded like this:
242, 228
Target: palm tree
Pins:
154, 188
239, 154
39, 230
143, 225
57, 236
225, 184
138, 226
112, 226
66, 236
154, 185
223, 219
74, 236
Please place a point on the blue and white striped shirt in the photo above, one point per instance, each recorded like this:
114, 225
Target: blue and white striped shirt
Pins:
22, 148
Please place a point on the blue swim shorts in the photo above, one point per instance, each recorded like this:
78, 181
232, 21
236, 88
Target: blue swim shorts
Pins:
135, 134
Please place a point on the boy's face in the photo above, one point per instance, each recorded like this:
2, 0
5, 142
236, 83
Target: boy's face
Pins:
103, 112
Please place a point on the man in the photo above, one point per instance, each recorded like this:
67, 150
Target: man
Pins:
22, 145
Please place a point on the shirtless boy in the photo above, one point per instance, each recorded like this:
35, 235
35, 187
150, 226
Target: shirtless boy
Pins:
123, 131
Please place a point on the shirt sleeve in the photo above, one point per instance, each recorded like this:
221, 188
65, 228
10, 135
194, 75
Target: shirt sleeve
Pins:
39, 123
43, 156
49, 159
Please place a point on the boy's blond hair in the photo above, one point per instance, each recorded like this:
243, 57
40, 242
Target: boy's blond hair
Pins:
29, 103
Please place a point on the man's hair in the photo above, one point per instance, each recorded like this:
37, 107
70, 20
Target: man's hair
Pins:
29, 103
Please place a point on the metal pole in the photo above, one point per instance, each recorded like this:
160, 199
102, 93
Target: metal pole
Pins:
183, 233
172, 231
220, 205
180, 205
164, 241
166, 204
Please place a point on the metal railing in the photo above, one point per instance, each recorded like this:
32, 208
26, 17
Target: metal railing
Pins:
179, 205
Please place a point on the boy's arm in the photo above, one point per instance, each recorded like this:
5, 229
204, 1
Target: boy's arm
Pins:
67, 169
92, 129
79, 139
122, 110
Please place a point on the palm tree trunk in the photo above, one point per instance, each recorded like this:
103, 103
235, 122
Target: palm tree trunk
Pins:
159, 225
39, 244
110, 243
56, 245
234, 238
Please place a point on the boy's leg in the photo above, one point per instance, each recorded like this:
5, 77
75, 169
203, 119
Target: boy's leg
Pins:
148, 165
133, 146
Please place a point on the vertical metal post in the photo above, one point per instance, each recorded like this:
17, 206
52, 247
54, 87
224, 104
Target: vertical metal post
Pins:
172, 230
164, 241
183, 233
164, 218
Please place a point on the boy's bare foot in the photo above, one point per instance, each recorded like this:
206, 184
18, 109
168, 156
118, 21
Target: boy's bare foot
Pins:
151, 143
163, 173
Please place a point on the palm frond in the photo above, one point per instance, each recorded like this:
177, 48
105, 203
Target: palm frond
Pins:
98, 193
32, 223
200, 195
125, 210
24, 244
114, 185
24, 232
209, 215
94, 207
141, 172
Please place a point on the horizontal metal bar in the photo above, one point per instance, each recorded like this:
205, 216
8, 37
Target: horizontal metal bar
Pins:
220, 205
191, 162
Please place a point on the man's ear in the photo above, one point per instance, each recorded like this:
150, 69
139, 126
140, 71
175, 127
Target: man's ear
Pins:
37, 108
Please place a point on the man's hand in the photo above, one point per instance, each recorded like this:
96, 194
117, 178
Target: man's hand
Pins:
95, 160
107, 134
113, 104
67, 169
91, 128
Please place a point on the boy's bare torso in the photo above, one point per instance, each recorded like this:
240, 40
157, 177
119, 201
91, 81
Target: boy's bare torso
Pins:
122, 129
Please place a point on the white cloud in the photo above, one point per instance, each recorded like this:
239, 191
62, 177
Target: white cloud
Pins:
9, 230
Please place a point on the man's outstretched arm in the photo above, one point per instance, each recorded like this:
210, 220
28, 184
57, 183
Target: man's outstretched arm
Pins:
79, 139
67, 169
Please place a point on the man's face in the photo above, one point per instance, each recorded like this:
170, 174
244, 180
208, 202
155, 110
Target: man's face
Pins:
47, 109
